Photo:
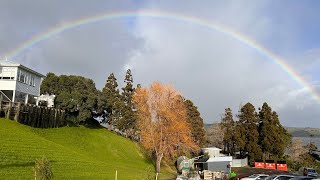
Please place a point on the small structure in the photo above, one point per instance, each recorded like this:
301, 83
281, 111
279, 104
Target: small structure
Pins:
216, 161
19, 83
45, 100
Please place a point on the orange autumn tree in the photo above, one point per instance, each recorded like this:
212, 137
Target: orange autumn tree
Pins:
162, 122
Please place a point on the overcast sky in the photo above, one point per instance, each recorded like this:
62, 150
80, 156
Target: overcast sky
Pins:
208, 67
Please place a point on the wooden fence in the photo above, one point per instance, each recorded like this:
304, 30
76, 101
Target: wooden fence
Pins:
31, 115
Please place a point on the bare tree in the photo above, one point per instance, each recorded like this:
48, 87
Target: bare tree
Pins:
296, 150
215, 135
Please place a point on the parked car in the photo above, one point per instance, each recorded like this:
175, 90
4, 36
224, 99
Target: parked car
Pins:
302, 178
309, 172
279, 177
255, 177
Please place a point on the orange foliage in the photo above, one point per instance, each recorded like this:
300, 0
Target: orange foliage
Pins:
162, 121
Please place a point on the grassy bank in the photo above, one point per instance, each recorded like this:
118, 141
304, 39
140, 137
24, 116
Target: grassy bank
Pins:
74, 152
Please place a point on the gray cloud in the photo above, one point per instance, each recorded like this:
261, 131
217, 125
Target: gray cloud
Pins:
208, 67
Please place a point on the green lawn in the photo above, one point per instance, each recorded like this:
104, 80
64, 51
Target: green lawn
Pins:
74, 153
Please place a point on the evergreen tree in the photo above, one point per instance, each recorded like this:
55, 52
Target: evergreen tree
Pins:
75, 94
128, 121
283, 138
196, 122
272, 136
228, 126
111, 102
248, 131
266, 130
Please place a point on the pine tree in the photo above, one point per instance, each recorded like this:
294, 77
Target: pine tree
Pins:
128, 121
266, 130
196, 122
248, 131
228, 126
111, 102
272, 136
283, 138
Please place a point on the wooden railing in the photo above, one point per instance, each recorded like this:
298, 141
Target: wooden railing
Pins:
32, 115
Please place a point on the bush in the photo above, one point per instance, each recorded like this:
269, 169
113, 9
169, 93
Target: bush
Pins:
42, 169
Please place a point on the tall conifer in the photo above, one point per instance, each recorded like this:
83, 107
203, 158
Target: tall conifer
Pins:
196, 122
128, 121
228, 126
248, 130
111, 101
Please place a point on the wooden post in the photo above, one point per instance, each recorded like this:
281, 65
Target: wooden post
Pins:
16, 117
23, 114
0, 107
30, 115
55, 118
9, 110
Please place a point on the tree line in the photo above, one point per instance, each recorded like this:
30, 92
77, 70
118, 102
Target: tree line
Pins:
164, 122
256, 135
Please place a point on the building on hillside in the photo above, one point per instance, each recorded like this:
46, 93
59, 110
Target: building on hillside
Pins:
214, 160
19, 83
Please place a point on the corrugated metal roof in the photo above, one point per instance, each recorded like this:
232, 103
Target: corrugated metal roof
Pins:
219, 159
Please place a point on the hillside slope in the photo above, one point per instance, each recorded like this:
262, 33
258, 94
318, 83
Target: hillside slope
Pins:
74, 152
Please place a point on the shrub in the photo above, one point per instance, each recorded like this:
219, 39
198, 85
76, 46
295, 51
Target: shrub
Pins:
42, 169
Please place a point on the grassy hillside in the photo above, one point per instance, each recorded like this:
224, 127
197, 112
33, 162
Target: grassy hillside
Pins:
74, 152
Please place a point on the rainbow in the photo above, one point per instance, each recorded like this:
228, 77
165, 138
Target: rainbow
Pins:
170, 16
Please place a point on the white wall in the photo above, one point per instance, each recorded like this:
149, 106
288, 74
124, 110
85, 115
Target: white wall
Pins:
8, 84
213, 152
220, 159
239, 162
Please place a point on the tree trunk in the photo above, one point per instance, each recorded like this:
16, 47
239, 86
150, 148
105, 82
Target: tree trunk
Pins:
158, 162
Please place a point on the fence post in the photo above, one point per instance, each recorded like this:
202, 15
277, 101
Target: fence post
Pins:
16, 117
0, 107
9, 110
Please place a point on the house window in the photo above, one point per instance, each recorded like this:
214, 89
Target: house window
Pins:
32, 83
6, 73
27, 79
22, 76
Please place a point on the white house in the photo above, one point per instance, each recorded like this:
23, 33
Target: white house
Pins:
216, 161
19, 83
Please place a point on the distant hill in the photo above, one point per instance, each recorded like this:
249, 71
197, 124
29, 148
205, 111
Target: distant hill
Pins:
206, 126
74, 152
294, 131
304, 132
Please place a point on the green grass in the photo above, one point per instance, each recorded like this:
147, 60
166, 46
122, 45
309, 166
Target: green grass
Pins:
74, 153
